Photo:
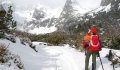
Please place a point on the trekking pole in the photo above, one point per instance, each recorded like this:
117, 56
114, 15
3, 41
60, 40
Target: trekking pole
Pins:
100, 60
113, 66
92, 66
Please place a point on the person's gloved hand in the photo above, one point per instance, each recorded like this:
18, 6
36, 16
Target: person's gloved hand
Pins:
100, 49
89, 31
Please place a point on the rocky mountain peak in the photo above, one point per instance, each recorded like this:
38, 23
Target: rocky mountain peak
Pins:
106, 2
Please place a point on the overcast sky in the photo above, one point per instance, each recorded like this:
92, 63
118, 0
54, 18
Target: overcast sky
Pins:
88, 4
53, 4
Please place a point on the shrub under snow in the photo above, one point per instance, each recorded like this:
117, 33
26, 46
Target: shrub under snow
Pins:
6, 57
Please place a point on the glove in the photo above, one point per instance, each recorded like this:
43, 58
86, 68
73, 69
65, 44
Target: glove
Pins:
87, 45
100, 49
89, 31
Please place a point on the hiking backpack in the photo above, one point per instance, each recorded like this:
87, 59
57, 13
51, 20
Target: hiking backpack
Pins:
94, 44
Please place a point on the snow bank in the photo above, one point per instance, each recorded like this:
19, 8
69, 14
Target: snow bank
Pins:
25, 52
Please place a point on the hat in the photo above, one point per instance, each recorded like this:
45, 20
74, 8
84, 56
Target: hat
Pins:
93, 29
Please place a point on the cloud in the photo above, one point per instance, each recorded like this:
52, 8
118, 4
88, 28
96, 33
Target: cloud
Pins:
54, 4
26, 4
89, 4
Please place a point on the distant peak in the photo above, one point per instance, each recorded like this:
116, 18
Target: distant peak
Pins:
105, 2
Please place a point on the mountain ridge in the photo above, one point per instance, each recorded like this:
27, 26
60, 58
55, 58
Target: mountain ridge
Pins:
27, 21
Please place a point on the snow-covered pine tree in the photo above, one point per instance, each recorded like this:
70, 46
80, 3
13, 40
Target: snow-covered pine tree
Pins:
10, 23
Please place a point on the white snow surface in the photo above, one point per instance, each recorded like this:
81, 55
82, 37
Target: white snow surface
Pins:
43, 30
53, 57
119, 6
107, 9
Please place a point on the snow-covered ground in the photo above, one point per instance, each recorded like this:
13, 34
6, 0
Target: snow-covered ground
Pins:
53, 57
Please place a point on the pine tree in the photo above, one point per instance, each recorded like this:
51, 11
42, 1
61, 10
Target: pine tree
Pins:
2, 15
2, 25
11, 24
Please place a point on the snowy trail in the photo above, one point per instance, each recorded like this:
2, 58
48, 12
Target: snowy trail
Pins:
66, 58
62, 58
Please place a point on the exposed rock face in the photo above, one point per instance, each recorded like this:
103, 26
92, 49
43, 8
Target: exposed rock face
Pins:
106, 2
68, 20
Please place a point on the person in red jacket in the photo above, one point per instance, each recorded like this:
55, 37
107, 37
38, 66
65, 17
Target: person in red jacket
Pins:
93, 49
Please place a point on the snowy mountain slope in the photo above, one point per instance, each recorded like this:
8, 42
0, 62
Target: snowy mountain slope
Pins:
107, 16
100, 9
43, 30
23, 13
53, 57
